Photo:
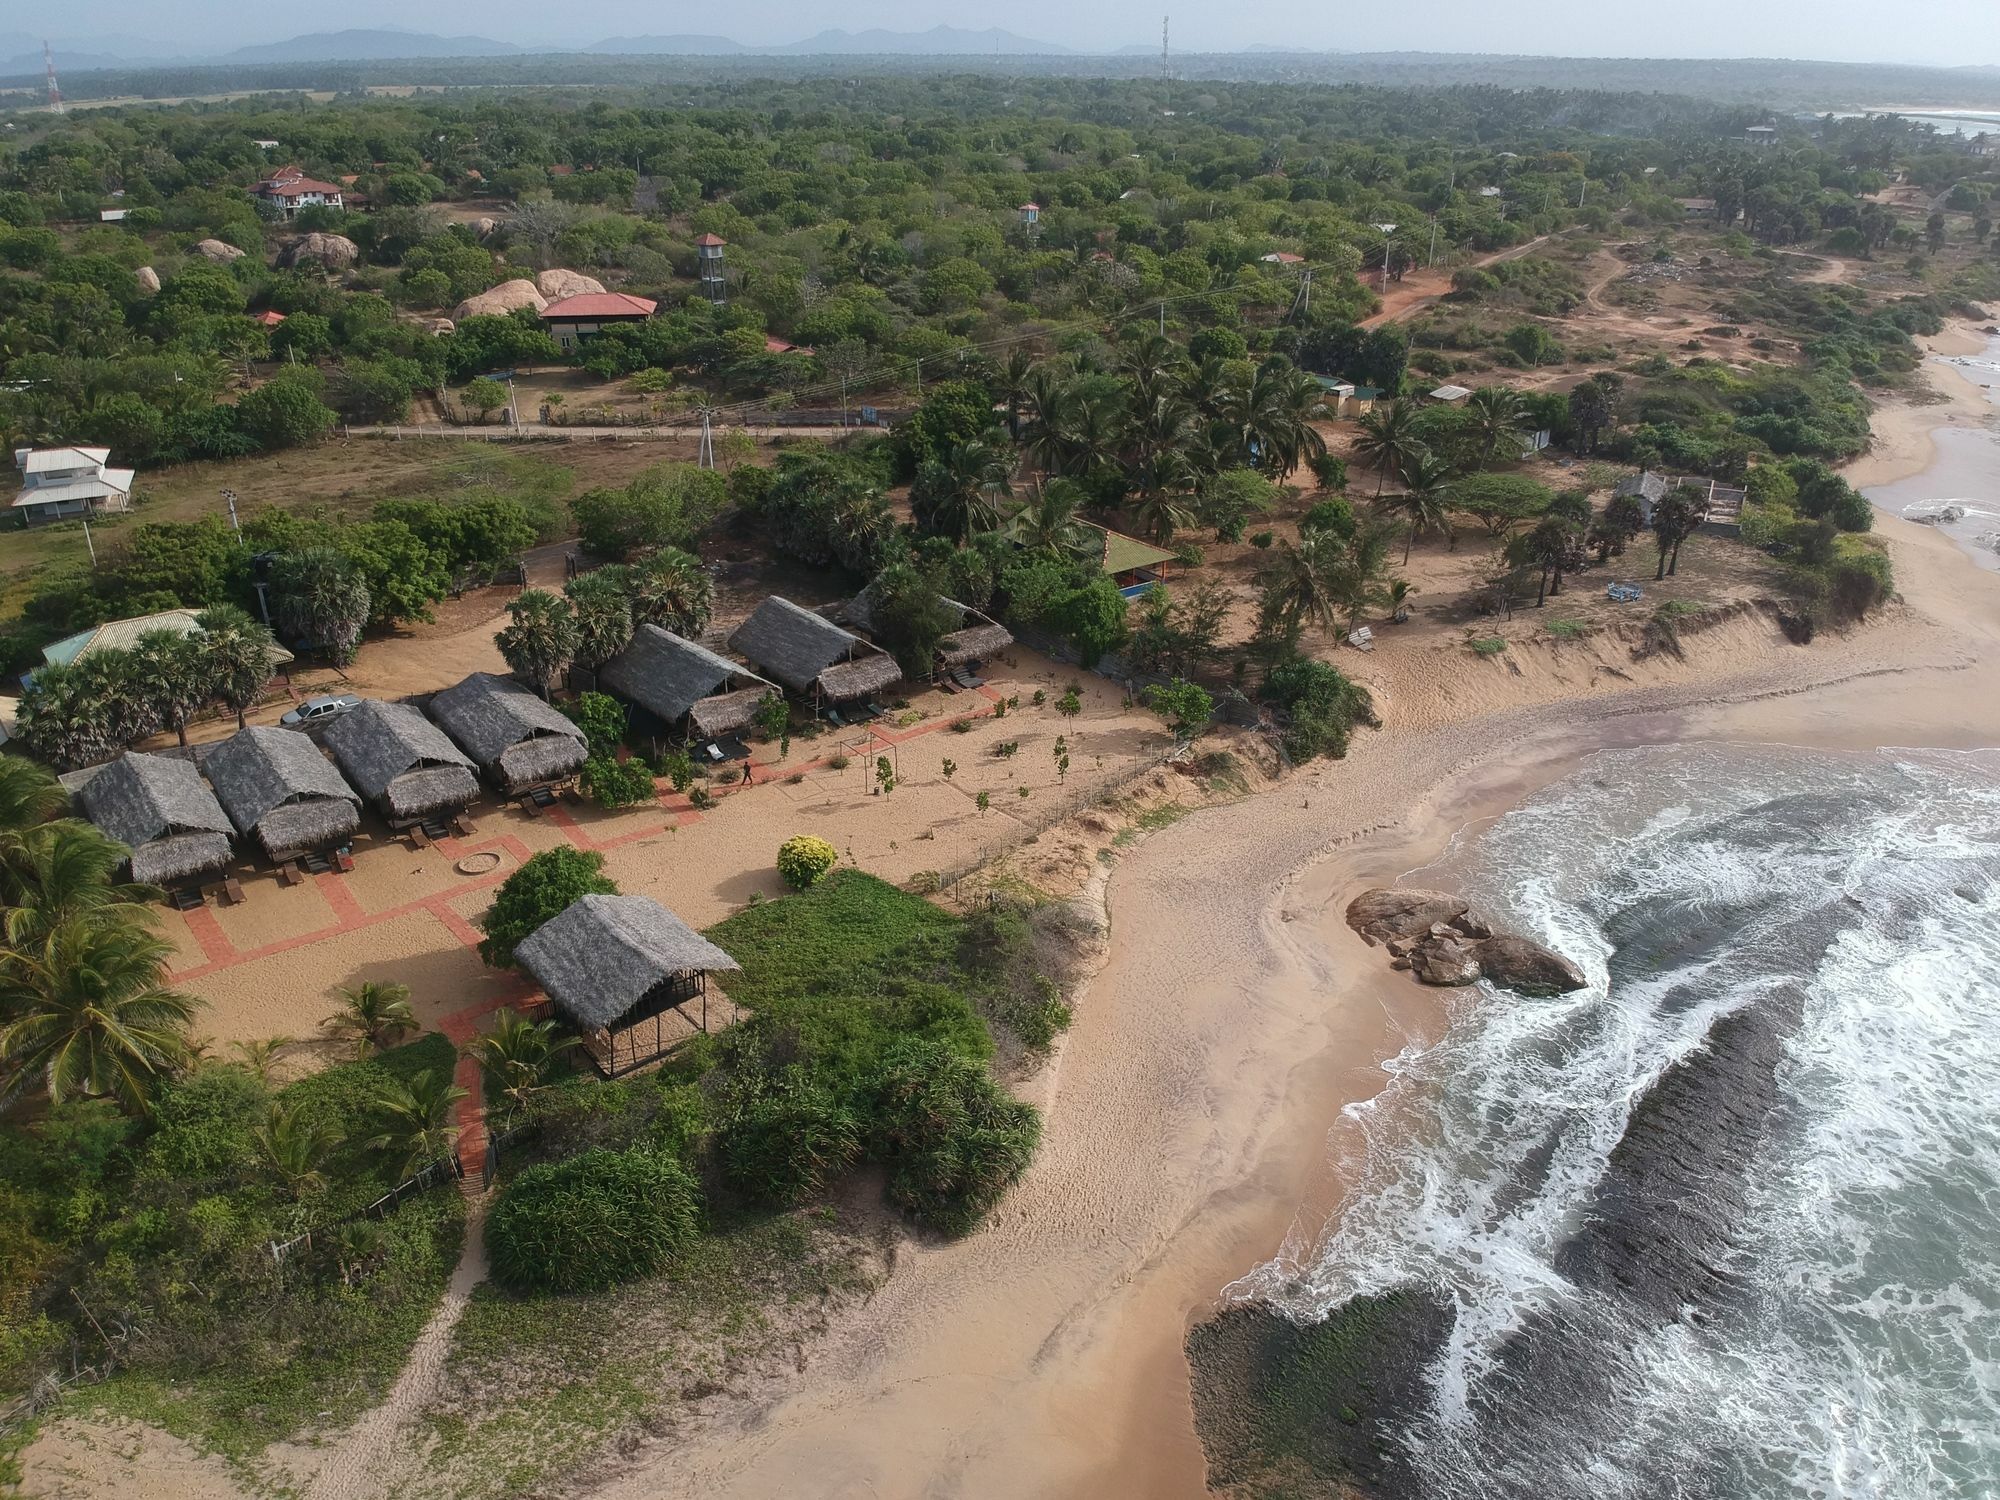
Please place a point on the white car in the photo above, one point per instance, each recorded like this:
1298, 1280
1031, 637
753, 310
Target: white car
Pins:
320, 710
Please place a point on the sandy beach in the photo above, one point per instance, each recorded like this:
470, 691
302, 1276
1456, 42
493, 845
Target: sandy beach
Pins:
1193, 1117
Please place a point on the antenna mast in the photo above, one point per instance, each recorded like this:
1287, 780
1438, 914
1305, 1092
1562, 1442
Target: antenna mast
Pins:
55, 94
1166, 56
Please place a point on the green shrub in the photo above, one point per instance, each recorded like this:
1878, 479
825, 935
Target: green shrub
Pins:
676, 766
953, 1141
803, 859
204, 1120
786, 1139
602, 720
591, 1221
1323, 706
540, 889
617, 783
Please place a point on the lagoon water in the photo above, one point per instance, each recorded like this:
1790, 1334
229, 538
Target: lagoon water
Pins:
1844, 910
1965, 475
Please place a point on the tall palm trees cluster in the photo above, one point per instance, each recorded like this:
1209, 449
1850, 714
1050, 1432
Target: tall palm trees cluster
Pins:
89, 710
594, 618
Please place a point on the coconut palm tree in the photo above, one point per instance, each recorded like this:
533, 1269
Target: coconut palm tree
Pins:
237, 653
55, 871
261, 1056
1050, 524
1501, 423
374, 1014
1154, 364
1306, 584
540, 638
416, 1119
517, 1056
602, 612
1279, 410
1425, 501
672, 590
1388, 440
89, 1013
962, 495
294, 1147
29, 794
174, 670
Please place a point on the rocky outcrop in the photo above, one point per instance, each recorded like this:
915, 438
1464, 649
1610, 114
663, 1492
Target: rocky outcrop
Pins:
1442, 941
485, 226
437, 326
333, 252
148, 279
497, 302
215, 250
556, 284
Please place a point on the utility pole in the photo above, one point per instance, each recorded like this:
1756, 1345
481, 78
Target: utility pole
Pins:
1434, 242
230, 496
705, 456
86, 534
1385, 230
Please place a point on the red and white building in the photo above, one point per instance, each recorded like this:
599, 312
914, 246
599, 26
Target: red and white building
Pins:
571, 320
291, 190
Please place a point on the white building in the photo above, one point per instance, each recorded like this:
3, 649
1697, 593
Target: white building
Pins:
291, 190
59, 483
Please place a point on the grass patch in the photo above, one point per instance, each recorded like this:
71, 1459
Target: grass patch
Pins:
1568, 630
1491, 645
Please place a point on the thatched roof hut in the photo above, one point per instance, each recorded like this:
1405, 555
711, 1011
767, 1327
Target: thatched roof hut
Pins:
275, 784
158, 807
977, 635
516, 738
812, 655
610, 963
401, 761
673, 678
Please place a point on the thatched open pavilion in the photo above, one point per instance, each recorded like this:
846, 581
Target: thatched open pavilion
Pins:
401, 762
811, 655
277, 787
518, 741
158, 807
973, 638
613, 964
678, 682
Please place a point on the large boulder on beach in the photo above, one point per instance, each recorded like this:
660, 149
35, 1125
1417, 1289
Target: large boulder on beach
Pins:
332, 252
218, 251
148, 279
497, 302
1385, 914
1525, 966
1445, 961
556, 284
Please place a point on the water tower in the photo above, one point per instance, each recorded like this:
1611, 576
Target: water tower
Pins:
708, 260
1031, 215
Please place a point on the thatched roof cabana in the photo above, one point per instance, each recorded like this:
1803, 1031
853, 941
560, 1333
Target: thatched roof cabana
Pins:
275, 784
811, 655
401, 761
976, 636
673, 678
158, 807
611, 963
516, 738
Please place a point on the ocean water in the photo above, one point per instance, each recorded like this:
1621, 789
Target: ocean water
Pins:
1965, 475
1852, 1348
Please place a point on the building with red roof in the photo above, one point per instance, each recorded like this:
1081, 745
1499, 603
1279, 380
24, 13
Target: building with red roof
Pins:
291, 190
572, 320
269, 318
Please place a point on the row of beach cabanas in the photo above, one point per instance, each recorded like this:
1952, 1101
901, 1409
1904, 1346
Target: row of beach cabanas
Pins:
277, 787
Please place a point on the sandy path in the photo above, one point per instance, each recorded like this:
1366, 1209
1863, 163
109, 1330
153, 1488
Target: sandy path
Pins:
368, 1459
1421, 289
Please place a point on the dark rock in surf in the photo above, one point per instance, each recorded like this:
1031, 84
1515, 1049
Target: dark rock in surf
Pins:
1446, 943
1386, 914
1527, 967
1445, 961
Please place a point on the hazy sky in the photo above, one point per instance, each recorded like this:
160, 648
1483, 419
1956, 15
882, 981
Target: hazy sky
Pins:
1945, 32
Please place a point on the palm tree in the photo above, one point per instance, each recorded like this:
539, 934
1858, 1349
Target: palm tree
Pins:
29, 794
541, 638
602, 612
1049, 523
294, 1148
1624, 518
323, 598
1549, 548
1676, 517
60, 721
90, 1015
416, 1118
1306, 584
1388, 440
374, 1014
517, 1055
237, 651
260, 1057
672, 590
1425, 502
1281, 406
1052, 410
961, 496
174, 670
56, 871
118, 697
1502, 422
1154, 364
1010, 385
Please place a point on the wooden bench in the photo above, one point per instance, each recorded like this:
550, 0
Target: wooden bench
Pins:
289, 873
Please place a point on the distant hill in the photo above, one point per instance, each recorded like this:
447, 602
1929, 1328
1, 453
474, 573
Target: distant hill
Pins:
939, 41
365, 46
670, 46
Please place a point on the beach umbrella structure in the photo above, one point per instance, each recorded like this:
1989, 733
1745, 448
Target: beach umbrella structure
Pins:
519, 742
682, 685
158, 807
624, 971
280, 790
401, 762
812, 656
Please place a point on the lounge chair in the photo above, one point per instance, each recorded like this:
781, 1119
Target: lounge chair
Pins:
832, 716
964, 678
1624, 593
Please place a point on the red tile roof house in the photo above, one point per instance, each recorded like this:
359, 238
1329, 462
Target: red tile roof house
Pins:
291, 190
571, 320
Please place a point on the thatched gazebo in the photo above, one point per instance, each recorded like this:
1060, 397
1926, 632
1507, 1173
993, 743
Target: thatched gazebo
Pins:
811, 655
611, 964
402, 762
673, 679
518, 741
976, 635
276, 786
158, 807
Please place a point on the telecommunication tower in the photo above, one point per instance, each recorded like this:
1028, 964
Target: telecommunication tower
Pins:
55, 94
